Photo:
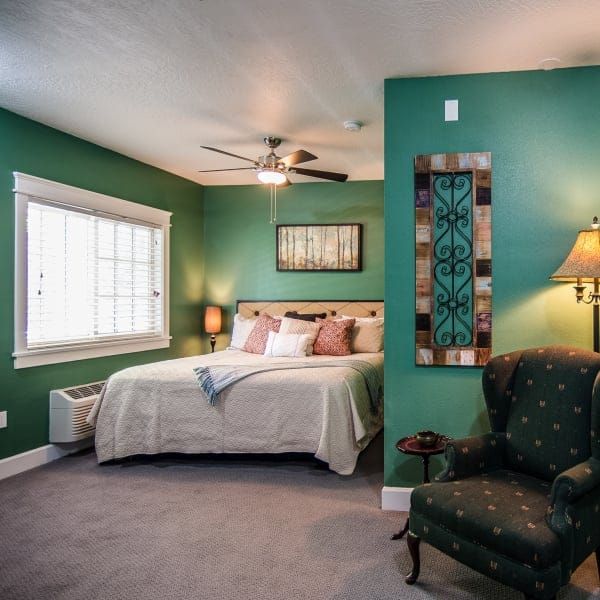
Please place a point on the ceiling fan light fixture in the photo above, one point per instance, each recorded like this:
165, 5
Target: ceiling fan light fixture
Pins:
271, 176
273, 170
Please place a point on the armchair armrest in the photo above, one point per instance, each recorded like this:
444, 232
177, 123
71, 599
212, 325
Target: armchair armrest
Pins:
574, 499
473, 455
574, 483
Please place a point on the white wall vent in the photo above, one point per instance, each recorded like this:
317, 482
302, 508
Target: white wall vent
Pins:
69, 409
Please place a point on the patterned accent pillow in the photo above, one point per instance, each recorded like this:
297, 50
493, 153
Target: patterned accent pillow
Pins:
290, 325
257, 340
334, 338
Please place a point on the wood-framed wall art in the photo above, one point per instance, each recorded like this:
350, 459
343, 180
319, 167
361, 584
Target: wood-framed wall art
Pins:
453, 243
308, 247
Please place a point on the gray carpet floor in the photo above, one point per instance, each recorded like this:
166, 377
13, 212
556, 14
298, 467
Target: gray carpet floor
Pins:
219, 528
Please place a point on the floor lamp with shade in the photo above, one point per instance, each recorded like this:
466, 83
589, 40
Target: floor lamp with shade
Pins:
582, 266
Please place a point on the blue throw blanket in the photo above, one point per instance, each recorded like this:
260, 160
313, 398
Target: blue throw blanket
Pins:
213, 380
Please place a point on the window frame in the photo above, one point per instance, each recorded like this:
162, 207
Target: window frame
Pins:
30, 188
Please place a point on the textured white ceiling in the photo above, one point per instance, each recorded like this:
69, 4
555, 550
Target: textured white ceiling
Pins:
155, 79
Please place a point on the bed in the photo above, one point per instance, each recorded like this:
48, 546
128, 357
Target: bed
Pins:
323, 410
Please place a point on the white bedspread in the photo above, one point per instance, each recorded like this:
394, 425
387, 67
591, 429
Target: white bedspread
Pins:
159, 407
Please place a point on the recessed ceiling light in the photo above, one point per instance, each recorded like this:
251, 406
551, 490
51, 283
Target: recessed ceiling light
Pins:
550, 63
352, 125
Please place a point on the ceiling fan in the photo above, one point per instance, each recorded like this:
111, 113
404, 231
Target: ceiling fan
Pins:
274, 170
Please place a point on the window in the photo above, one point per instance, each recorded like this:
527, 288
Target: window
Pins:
91, 274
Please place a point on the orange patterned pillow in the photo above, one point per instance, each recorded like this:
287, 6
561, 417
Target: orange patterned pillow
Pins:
334, 338
257, 340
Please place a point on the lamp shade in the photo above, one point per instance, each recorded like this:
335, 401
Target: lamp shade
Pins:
212, 319
583, 262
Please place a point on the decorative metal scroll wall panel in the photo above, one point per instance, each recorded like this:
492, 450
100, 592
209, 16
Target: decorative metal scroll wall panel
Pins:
453, 196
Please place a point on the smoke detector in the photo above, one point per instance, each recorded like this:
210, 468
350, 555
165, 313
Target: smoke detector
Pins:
352, 125
550, 63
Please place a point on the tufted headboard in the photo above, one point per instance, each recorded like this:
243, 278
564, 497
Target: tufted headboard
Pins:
333, 308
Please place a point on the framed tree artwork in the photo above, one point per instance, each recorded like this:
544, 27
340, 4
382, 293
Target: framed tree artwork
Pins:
453, 202
335, 247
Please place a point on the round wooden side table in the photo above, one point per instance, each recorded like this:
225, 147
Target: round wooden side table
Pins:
410, 445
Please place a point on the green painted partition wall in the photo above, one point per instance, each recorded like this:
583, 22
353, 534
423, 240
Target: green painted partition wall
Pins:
33, 148
543, 131
239, 246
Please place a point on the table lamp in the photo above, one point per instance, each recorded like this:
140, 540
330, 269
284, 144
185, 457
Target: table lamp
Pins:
212, 323
582, 266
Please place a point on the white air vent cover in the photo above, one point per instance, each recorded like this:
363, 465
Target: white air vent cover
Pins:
69, 409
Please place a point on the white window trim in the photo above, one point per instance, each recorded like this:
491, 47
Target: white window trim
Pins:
28, 187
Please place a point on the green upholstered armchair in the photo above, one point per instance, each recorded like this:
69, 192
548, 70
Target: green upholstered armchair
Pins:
522, 504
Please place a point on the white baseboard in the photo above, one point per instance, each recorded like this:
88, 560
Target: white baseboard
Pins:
395, 498
18, 463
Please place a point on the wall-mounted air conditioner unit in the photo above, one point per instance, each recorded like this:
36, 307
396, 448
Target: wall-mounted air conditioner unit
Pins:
69, 409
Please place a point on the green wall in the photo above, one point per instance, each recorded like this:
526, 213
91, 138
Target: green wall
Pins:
239, 242
543, 131
33, 148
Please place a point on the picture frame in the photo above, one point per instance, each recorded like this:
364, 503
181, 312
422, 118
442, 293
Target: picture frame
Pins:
324, 248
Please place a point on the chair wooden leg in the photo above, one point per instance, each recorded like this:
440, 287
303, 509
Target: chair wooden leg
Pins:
413, 547
402, 532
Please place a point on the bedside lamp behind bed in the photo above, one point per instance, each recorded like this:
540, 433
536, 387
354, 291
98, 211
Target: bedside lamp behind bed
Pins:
212, 323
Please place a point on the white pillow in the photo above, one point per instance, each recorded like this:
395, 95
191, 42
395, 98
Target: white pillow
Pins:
287, 344
310, 328
367, 334
364, 319
241, 330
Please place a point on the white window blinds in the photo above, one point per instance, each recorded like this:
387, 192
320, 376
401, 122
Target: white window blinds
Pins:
90, 278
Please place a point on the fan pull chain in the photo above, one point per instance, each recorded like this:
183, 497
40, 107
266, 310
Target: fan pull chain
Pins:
273, 197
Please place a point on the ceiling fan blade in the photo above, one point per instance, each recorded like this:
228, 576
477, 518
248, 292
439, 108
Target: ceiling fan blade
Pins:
285, 184
217, 170
295, 158
228, 153
321, 174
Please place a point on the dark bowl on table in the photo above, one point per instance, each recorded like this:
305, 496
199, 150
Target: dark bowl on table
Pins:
427, 439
